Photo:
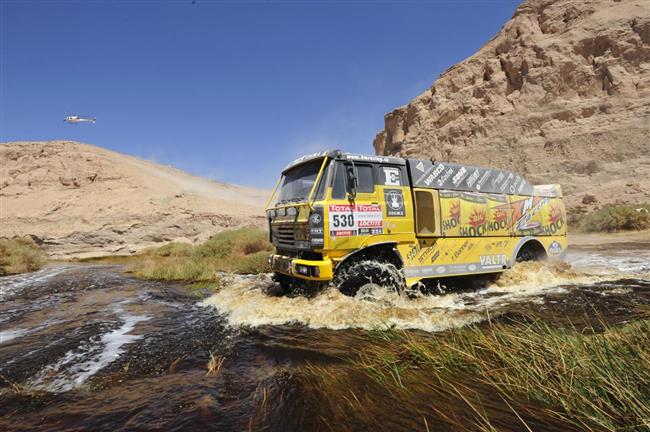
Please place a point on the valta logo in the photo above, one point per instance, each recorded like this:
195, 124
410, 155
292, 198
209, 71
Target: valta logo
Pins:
493, 260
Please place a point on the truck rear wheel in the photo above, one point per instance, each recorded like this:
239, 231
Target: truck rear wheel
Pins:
531, 251
355, 274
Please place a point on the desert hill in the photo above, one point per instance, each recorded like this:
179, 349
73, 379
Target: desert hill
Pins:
81, 200
561, 94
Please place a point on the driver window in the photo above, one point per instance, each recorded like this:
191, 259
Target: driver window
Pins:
365, 179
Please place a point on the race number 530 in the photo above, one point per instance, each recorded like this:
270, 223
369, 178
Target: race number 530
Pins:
343, 220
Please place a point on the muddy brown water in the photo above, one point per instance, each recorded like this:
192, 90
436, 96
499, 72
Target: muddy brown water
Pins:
87, 347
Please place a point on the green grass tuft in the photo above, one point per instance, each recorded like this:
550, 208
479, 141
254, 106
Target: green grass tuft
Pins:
593, 381
243, 250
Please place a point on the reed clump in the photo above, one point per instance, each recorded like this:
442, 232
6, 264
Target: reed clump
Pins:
592, 380
243, 250
20, 255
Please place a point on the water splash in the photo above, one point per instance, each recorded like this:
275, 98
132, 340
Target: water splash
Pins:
244, 301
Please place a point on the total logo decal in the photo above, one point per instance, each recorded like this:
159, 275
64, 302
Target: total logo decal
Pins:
354, 219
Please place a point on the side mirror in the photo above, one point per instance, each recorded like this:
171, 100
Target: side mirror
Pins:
351, 184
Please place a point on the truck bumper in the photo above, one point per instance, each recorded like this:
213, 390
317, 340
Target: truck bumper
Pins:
320, 270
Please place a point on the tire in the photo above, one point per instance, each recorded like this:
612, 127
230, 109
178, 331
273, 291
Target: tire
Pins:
353, 275
283, 286
531, 251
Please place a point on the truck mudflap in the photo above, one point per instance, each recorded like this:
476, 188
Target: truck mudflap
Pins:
316, 270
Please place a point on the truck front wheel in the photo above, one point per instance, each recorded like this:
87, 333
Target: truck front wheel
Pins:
351, 276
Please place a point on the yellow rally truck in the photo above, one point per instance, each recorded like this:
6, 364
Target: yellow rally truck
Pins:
356, 219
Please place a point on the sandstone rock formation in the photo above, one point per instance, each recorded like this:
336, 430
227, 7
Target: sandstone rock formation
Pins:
560, 94
80, 200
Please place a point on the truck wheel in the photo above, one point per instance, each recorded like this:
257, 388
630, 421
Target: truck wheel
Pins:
283, 286
355, 274
531, 251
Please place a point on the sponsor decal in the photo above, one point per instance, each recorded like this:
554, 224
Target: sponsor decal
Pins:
555, 248
428, 252
498, 179
505, 182
366, 158
460, 175
472, 178
445, 176
420, 166
436, 172
473, 197
483, 179
343, 233
346, 219
391, 176
466, 246
477, 222
555, 221
394, 202
525, 223
493, 260
413, 252
454, 217
555, 214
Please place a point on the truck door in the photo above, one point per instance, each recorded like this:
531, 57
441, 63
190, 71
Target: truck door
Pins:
351, 221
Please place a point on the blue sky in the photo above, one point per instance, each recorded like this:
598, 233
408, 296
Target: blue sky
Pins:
229, 90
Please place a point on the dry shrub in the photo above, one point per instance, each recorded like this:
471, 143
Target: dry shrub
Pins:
20, 255
617, 218
244, 250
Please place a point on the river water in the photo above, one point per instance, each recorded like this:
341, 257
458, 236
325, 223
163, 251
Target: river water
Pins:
87, 347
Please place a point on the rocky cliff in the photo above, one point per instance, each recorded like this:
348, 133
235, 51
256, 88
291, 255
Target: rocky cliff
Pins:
80, 200
560, 94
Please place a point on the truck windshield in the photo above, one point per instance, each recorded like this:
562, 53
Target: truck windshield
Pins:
298, 182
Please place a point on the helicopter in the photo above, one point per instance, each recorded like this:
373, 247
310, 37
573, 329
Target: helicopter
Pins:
79, 119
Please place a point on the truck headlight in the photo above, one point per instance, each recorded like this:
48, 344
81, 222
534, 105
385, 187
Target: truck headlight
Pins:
306, 270
292, 211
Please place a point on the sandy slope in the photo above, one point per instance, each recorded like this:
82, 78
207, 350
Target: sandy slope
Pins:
81, 200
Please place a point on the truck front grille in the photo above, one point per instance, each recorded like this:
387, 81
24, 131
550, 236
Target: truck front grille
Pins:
285, 235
